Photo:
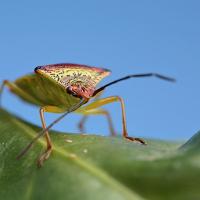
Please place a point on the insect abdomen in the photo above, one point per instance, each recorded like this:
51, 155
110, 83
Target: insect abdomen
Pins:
45, 92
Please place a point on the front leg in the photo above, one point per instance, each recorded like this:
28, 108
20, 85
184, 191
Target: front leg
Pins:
100, 102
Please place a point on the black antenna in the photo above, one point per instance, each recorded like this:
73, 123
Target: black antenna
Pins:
25, 150
135, 76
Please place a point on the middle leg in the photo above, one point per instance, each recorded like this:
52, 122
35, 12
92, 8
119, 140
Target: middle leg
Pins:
98, 111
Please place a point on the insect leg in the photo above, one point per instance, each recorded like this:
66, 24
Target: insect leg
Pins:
18, 91
48, 150
104, 101
81, 123
98, 111
1, 90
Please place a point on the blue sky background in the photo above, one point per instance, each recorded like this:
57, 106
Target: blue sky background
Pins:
124, 36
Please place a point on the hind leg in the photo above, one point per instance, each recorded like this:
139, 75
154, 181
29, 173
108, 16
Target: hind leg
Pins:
5, 83
98, 111
17, 91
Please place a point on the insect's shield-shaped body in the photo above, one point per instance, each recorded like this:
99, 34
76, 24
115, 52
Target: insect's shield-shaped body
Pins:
80, 80
64, 88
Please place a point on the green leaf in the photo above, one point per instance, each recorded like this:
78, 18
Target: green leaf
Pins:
95, 167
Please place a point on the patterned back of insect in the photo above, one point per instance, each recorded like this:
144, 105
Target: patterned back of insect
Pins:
80, 80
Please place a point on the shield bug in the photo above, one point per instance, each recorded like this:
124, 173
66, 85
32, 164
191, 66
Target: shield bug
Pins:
65, 88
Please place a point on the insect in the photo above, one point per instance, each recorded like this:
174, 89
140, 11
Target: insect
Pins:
66, 88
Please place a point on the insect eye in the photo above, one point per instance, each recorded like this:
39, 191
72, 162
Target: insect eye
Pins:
39, 67
69, 91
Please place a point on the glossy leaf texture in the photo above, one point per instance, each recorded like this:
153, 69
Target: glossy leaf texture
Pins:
92, 167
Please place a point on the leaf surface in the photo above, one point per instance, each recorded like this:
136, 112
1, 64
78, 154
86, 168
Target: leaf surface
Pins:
95, 167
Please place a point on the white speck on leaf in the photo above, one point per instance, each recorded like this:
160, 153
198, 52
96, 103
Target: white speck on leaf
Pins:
72, 155
69, 141
85, 151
